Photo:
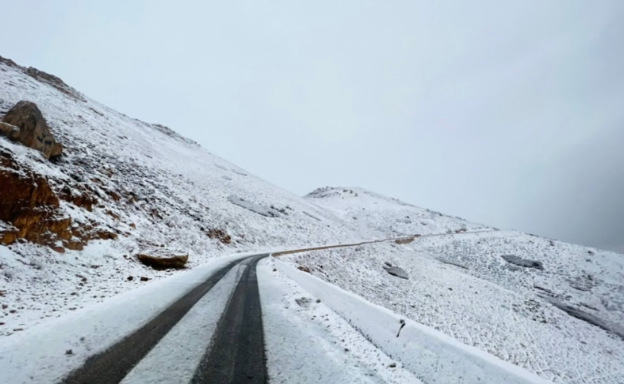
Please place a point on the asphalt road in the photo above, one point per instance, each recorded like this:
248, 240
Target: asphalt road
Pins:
234, 355
237, 351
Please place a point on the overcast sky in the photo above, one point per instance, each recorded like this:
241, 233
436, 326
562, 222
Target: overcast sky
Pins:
508, 113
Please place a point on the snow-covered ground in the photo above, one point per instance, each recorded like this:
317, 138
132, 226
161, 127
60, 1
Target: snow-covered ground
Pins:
460, 285
153, 187
379, 215
157, 189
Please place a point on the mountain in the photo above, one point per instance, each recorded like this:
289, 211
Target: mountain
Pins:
86, 190
379, 215
73, 224
553, 308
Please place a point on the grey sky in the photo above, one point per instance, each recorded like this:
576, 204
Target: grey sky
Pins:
508, 113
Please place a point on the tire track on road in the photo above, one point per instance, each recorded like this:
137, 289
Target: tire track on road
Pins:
113, 364
236, 354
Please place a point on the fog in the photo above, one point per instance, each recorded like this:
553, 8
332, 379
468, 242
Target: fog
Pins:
505, 113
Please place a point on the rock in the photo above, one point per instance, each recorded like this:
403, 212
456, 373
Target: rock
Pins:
303, 302
130, 278
608, 326
28, 203
526, 263
143, 278
32, 129
396, 271
8, 234
219, 234
10, 131
304, 269
163, 259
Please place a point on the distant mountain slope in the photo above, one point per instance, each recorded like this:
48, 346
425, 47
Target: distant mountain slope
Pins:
553, 308
371, 212
140, 183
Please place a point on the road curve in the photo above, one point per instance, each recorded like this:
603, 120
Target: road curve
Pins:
113, 364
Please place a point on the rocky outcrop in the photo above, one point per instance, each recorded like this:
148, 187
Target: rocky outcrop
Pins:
26, 124
163, 259
525, 263
395, 271
30, 210
28, 203
219, 234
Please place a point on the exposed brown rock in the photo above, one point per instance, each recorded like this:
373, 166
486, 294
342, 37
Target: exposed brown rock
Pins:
8, 235
10, 131
28, 203
163, 259
54, 82
304, 269
219, 234
33, 129
81, 197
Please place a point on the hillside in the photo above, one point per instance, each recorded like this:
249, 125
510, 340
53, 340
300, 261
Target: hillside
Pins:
91, 190
373, 213
123, 187
553, 308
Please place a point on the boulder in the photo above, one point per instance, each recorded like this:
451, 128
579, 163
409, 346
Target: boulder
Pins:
26, 124
10, 131
395, 271
526, 263
163, 259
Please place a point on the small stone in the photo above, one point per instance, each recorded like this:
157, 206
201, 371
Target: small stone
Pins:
130, 278
143, 278
69, 352
392, 365
318, 300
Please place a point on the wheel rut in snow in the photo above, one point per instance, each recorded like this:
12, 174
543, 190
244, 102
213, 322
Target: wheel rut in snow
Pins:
113, 364
236, 354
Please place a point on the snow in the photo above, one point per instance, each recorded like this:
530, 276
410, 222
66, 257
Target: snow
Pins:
461, 285
176, 357
307, 342
145, 176
158, 189
37, 355
429, 354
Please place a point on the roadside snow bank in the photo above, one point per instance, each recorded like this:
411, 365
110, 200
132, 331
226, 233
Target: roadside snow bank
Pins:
431, 355
41, 353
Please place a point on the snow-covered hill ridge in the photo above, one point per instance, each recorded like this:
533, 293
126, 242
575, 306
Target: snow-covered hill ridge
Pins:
146, 184
553, 308
373, 213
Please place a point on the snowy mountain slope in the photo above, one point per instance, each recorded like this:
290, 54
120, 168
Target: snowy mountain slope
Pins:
379, 215
461, 285
147, 186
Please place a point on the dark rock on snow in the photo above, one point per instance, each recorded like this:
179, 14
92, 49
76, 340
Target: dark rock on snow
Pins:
396, 271
526, 263
161, 259
25, 123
